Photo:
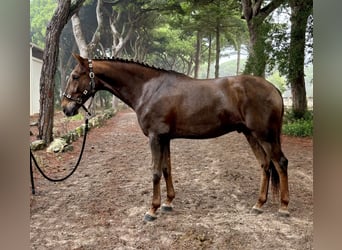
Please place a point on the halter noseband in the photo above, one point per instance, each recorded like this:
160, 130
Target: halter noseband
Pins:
79, 100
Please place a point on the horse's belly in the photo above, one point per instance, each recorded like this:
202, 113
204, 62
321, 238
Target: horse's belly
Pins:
203, 130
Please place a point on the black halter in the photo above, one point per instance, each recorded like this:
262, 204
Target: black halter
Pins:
86, 93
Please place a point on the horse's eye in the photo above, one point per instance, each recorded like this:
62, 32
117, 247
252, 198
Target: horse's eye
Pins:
75, 77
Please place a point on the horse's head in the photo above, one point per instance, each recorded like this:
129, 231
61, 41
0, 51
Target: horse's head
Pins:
80, 86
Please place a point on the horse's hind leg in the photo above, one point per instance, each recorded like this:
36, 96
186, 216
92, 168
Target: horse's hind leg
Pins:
280, 163
264, 184
264, 161
278, 172
166, 167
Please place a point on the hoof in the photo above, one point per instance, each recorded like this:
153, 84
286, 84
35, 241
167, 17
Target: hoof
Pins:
283, 213
256, 210
166, 208
149, 218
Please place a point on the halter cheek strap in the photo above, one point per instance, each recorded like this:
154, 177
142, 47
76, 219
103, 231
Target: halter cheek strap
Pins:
79, 100
91, 75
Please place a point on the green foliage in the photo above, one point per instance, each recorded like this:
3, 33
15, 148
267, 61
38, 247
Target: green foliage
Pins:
291, 116
226, 69
258, 60
165, 35
302, 127
41, 12
281, 49
173, 41
279, 52
278, 81
77, 117
170, 47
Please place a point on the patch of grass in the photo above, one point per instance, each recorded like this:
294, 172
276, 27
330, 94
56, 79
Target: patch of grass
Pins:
77, 117
301, 127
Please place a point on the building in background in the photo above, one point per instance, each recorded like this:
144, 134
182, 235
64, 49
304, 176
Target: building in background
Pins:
36, 62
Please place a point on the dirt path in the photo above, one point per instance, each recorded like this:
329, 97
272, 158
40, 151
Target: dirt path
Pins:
216, 183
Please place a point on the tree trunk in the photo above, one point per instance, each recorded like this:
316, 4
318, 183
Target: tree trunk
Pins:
120, 38
198, 53
87, 49
300, 11
79, 37
50, 57
238, 59
209, 57
256, 62
218, 51
60, 17
255, 16
115, 102
139, 49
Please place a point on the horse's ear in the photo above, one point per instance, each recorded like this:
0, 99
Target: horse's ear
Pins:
76, 56
79, 58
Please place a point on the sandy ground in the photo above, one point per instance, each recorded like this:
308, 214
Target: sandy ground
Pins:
216, 182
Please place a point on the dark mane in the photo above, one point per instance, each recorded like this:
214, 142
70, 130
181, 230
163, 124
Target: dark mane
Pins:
143, 64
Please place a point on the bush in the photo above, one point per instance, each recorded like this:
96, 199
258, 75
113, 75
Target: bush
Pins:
302, 127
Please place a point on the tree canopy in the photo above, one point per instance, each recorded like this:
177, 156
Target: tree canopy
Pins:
186, 35
41, 12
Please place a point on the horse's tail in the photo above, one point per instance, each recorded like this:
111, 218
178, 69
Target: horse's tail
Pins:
274, 180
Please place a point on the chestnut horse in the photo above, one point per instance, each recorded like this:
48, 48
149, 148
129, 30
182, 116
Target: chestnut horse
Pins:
171, 105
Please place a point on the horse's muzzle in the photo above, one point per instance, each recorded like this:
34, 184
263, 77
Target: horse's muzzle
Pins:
70, 109
70, 113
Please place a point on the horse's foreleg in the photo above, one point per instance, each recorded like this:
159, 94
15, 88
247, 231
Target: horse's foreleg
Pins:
156, 150
167, 206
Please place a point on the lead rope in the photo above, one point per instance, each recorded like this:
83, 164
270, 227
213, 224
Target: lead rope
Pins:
32, 158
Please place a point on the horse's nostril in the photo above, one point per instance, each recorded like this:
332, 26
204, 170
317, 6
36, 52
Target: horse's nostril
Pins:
67, 111
70, 111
